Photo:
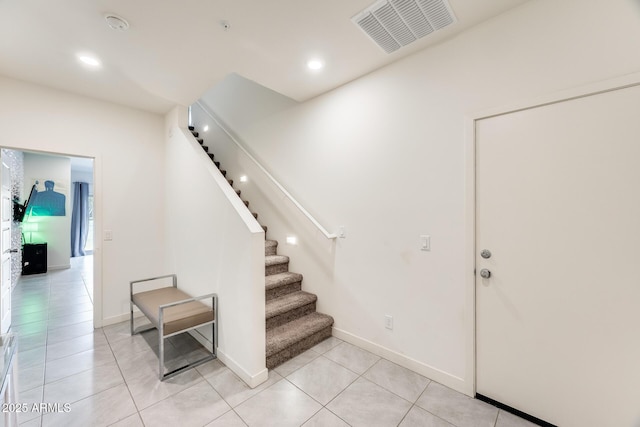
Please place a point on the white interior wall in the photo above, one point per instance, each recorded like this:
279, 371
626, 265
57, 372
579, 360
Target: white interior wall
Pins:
54, 230
128, 147
385, 157
216, 246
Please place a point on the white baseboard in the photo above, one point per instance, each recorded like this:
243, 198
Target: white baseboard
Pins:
252, 381
59, 267
430, 372
120, 318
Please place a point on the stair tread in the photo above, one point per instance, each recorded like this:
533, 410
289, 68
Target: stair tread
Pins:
290, 333
284, 299
281, 279
275, 259
285, 303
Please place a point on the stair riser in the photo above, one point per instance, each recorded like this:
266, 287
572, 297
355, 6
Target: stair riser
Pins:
288, 332
276, 268
290, 315
282, 290
270, 250
298, 348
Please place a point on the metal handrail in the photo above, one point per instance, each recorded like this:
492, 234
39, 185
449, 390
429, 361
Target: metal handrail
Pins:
310, 217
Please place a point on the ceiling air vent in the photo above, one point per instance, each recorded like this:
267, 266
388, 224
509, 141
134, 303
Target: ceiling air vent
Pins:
396, 23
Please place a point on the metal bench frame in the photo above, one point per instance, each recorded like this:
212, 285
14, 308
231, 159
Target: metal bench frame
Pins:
214, 330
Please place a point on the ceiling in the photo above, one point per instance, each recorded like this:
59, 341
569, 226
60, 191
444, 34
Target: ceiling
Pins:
174, 51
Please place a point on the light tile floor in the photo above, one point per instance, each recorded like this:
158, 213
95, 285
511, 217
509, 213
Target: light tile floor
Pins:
110, 378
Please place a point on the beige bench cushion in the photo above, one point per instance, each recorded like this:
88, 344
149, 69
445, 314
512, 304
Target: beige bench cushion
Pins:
177, 318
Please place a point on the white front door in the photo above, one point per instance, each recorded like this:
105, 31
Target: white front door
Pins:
5, 247
558, 207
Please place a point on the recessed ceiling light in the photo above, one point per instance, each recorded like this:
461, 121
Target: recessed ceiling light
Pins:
205, 128
91, 61
116, 22
315, 64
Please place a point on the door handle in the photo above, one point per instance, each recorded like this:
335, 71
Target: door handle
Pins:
485, 274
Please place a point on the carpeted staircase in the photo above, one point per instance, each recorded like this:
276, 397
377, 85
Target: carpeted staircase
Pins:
292, 323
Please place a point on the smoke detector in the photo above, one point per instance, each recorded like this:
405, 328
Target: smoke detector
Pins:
116, 22
392, 24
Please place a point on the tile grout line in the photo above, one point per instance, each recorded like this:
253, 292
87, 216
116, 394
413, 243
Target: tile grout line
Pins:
405, 415
51, 289
412, 404
238, 415
123, 379
91, 349
495, 423
324, 406
46, 346
139, 411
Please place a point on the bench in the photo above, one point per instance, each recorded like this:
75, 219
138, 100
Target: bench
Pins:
172, 311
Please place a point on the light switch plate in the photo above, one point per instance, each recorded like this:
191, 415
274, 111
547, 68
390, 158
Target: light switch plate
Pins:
425, 243
388, 321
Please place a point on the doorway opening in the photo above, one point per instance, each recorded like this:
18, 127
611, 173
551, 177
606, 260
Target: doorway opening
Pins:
52, 245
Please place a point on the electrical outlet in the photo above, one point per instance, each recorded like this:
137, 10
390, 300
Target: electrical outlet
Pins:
108, 235
388, 321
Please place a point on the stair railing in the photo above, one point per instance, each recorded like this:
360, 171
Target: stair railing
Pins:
287, 195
